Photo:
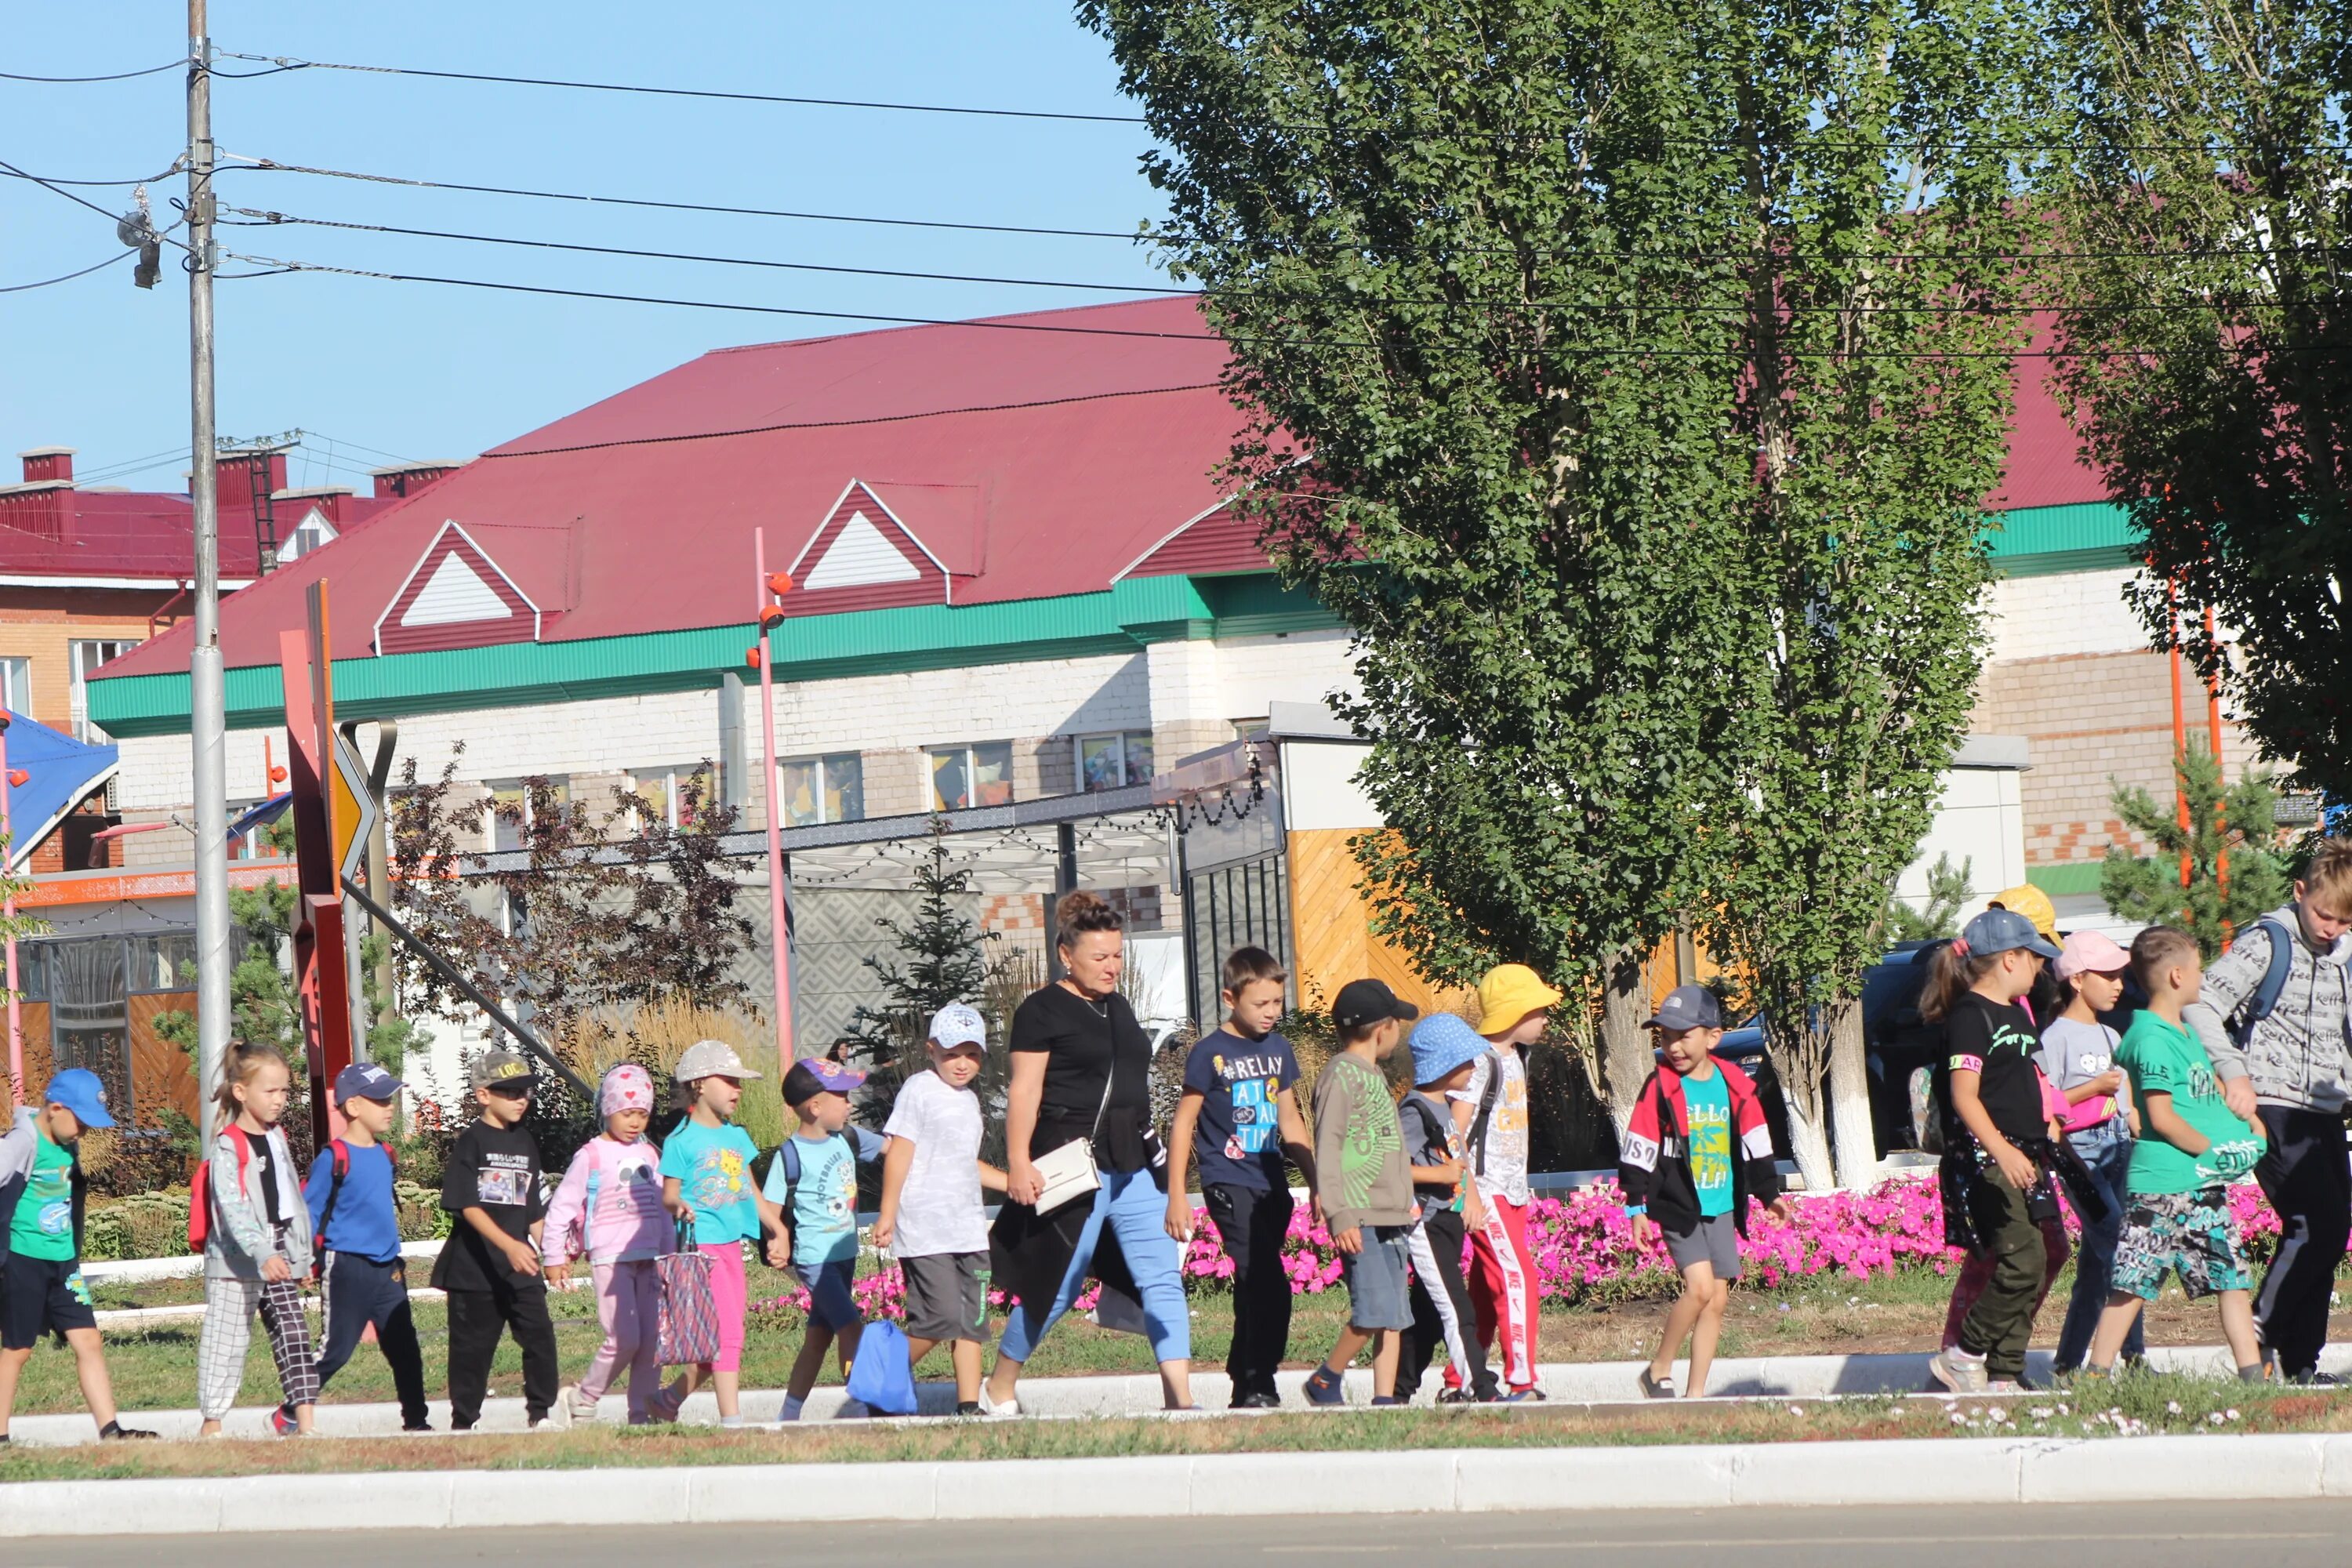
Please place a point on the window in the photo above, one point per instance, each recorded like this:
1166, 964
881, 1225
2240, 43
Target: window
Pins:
16, 685
824, 789
252, 844
965, 776
664, 787
508, 812
1112, 762
87, 656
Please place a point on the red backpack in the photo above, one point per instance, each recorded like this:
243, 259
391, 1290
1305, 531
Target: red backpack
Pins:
200, 1190
340, 1153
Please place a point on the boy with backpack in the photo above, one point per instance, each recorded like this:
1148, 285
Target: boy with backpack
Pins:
1444, 1051
1491, 1113
362, 1282
1696, 1149
814, 1181
2275, 1020
41, 1287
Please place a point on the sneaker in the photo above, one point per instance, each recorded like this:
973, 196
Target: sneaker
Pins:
575, 1403
665, 1404
1391, 1399
420, 1426
115, 1432
967, 1407
2006, 1385
2314, 1378
853, 1410
1453, 1396
282, 1422
1530, 1394
790, 1410
1323, 1387
1957, 1371
1257, 1399
990, 1407
1652, 1386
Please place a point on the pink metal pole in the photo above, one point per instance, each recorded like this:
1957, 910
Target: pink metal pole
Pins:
775, 799
17, 1085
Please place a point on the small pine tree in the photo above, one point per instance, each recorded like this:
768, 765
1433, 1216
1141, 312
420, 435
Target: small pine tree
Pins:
942, 958
1939, 917
2237, 821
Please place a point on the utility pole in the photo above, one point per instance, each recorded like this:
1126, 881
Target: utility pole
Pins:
207, 696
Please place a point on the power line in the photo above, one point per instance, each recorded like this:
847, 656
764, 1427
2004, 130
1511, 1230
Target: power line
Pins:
68, 278
16, 173
118, 76
285, 62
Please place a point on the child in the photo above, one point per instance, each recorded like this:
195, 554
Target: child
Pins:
1238, 1093
357, 1223
608, 1208
812, 1189
41, 1286
1444, 1051
257, 1246
2078, 1057
2192, 1146
1996, 1179
1696, 1149
706, 1171
1366, 1192
931, 1217
489, 1266
1491, 1113
2286, 1067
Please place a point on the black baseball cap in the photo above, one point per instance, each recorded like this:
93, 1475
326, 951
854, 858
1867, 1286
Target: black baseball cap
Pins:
1363, 1003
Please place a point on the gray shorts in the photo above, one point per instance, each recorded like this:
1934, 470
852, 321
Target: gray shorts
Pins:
1714, 1242
1378, 1294
946, 1295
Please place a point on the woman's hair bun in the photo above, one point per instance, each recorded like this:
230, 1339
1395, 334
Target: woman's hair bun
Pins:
1079, 911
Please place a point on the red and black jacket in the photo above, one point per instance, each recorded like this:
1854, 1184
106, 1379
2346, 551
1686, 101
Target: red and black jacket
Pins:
1654, 1170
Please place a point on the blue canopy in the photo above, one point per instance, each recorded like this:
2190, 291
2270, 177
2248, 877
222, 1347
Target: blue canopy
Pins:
60, 773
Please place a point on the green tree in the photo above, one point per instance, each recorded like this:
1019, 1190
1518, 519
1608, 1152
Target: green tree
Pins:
939, 956
2204, 298
2236, 822
1939, 916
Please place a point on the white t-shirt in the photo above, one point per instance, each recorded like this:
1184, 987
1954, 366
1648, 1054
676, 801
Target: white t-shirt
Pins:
1504, 1171
939, 1208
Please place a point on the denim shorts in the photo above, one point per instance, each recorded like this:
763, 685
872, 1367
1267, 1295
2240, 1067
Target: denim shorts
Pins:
1378, 1294
831, 1301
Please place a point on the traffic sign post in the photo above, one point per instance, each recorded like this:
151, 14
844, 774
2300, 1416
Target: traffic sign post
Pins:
325, 829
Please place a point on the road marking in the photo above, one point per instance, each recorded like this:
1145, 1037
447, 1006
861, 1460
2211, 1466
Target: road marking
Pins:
1652, 1541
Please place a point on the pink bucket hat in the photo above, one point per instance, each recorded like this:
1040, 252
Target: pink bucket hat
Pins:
625, 1088
2090, 953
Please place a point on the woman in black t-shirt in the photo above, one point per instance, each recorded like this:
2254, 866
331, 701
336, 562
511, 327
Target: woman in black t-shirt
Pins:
1999, 1201
1081, 1073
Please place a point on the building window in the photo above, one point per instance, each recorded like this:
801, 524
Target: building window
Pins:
254, 842
508, 813
1113, 761
664, 789
17, 685
87, 656
824, 789
963, 776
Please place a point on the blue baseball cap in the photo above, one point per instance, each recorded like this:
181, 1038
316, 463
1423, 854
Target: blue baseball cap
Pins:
1688, 1007
1999, 930
1441, 1043
79, 1091
365, 1080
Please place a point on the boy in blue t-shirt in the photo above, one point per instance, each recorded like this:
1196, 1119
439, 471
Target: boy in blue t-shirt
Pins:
1240, 1115
820, 1215
362, 1282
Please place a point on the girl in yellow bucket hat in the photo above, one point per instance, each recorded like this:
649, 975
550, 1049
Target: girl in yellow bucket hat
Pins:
1491, 1110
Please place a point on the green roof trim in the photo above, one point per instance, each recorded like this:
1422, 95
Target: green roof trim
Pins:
2042, 541
1130, 615
2062, 882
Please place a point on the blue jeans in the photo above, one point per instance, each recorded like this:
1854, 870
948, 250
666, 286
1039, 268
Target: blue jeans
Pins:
2106, 1149
1132, 1204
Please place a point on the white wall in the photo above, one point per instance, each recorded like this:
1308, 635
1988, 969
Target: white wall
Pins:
1304, 667
975, 702
1980, 818
2063, 613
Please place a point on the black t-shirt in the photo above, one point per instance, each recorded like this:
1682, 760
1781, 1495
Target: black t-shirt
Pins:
266, 1168
1999, 1042
495, 1169
1083, 1041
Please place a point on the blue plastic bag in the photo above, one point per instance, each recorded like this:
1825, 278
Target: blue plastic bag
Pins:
882, 1378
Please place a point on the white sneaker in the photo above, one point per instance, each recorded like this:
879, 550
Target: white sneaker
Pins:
990, 1407
1959, 1371
575, 1405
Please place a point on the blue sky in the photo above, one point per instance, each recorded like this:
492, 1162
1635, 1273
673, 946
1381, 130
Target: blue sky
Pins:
411, 370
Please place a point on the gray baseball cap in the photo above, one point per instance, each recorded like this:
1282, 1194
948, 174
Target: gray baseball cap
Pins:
1999, 930
1688, 1007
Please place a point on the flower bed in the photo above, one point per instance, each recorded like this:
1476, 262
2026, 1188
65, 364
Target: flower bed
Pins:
1584, 1253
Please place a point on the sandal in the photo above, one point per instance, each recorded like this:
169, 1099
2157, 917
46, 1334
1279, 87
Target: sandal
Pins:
1654, 1386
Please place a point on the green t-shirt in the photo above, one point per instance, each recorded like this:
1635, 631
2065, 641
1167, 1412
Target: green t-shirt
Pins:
2162, 1058
43, 1226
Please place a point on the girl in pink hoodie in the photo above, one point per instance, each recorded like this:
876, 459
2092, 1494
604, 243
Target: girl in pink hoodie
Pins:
609, 1208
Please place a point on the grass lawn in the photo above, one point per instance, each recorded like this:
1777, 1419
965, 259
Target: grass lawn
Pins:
2145, 1404
155, 1369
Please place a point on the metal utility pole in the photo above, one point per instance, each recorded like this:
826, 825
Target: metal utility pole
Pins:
207, 697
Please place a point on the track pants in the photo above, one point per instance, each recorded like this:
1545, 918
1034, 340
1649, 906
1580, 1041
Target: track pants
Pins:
1252, 1225
1442, 1312
628, 1302
359, 1293
2307, 1177
476, 1319
230, 1306
1502, 1288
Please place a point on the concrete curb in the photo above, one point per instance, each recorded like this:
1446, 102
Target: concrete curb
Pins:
1464, 1480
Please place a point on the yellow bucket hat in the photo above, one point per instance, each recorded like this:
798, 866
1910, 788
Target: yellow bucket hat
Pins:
1508, 993
2030, 902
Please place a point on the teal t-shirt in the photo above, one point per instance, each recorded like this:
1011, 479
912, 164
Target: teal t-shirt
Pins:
713, 1167
42, 1226
2162, 1058
824, 1215
1707, 1103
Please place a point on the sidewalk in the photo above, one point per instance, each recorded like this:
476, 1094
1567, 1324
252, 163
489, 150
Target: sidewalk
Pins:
1581, 1384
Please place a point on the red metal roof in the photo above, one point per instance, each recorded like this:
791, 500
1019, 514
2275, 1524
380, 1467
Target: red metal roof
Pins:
1030, 462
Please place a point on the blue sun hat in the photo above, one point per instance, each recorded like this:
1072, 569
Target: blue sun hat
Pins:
1441, 1043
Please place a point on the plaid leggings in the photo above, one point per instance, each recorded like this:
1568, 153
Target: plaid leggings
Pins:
230, 1308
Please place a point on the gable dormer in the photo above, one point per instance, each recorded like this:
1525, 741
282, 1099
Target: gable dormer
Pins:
456, 597
864, 556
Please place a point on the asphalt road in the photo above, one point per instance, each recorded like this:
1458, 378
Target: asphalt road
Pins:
2189, 1536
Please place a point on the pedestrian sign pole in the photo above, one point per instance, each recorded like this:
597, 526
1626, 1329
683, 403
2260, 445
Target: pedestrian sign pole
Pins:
332, 810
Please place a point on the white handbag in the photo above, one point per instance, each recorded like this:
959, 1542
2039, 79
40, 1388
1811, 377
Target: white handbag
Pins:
1069, 1171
